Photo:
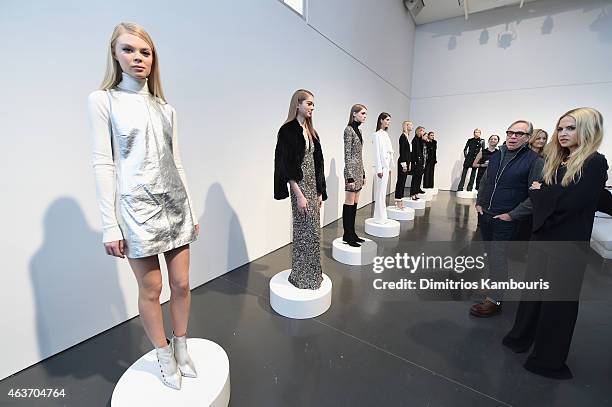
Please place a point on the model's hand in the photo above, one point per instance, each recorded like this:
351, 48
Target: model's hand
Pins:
379, 175
197, 229
302, 204
320, 201
350, 185
479, 209
115, 248
504, 216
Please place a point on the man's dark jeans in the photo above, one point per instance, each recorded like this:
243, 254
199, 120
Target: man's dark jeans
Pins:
496, 234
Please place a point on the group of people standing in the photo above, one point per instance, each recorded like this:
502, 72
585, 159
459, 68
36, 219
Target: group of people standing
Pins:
418, 159
146, 208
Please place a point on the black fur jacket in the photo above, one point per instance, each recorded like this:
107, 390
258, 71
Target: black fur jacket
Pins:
288, 157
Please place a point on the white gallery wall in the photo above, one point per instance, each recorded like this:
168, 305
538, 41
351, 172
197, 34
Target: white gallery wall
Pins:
533, 63
229, 69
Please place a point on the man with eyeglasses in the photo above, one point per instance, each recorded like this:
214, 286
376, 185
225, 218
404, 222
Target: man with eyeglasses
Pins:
503, 199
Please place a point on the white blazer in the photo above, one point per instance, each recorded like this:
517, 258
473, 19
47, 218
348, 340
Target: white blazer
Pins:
383, 151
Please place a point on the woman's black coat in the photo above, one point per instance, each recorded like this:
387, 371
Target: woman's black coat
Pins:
288, 158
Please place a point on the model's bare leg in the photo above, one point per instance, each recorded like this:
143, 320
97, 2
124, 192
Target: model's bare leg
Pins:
177, 261
356, 197
148, 276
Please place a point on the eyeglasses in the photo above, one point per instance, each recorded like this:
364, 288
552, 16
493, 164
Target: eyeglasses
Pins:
511, 133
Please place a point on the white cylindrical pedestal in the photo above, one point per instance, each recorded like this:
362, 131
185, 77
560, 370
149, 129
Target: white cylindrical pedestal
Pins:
389, 229
141, 384
354, 256
418, 204
393, 212
467, 194
428, 195
296, 303
434, 190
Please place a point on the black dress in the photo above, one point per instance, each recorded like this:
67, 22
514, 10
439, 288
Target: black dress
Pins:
562, 225
404, 157
428, 176
470, 151
486, 154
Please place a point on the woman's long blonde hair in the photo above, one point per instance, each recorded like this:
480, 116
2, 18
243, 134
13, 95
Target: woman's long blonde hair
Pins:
589, 130
113, 70
355, 109
298, 97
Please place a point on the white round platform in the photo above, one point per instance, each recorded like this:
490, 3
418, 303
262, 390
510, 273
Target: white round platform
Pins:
393, 212
428, 195
141, 384
354, 256
389, 229
418, 204
296, 303
467, 194
434, 190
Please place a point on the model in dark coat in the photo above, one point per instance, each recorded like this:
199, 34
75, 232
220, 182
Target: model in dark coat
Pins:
402, 161
472, 147
417, 159
430, 163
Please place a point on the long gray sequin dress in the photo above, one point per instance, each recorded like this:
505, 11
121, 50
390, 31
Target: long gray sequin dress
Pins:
306, 259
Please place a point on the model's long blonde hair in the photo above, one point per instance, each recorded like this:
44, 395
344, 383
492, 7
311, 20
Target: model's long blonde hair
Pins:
113, 70
298, 97
355, 109
589, 130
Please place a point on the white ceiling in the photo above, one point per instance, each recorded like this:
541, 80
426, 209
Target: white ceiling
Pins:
436, 10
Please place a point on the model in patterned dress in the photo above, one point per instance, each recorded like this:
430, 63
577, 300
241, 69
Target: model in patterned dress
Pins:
354, 174
298, 161
136, 160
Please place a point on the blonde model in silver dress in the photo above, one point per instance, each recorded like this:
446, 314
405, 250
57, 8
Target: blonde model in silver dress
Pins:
142, 190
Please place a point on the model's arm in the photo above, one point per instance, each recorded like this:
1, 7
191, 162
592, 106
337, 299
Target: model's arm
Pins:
377, 153
103, 164
535, 174
466, 149
348, 154
179, 166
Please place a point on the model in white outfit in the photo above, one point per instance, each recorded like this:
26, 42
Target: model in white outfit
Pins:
383, 157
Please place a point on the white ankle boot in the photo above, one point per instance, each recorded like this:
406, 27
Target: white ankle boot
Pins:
183, 360
171, 376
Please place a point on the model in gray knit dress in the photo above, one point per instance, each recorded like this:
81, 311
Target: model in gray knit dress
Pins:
305, 260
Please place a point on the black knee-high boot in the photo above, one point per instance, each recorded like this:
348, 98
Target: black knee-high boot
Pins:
348, 237
353, 216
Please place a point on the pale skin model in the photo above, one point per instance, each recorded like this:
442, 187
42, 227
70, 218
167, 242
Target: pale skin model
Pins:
519, 137
136, 58
385, 123
351, 198
406, 129
305, 110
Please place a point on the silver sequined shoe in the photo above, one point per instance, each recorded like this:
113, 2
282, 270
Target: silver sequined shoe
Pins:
183, 360
170, 374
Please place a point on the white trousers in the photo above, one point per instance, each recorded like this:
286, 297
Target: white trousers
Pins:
380, 197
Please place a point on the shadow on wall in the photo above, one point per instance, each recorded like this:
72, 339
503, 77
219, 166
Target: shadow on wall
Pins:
603, 25
75, 286
512, 18
330, 212
221, 246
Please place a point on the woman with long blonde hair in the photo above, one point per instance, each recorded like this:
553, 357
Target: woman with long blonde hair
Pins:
354, 174
298, 161
564, 206
142, 189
